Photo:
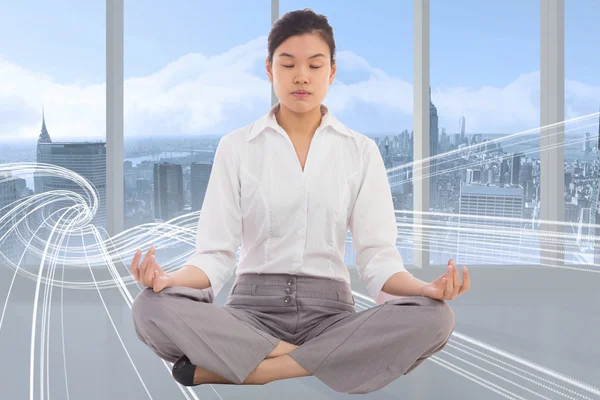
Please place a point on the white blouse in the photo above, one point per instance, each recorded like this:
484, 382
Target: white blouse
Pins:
292, 221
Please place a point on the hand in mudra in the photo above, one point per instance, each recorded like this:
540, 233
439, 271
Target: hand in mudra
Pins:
149, 273
448, 286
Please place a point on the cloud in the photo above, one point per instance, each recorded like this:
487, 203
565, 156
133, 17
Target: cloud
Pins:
73, 109
197, 94
488, 109
581, 99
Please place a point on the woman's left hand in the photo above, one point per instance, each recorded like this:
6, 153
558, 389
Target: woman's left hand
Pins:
447, 286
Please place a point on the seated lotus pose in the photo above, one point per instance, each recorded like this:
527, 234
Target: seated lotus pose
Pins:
288, 187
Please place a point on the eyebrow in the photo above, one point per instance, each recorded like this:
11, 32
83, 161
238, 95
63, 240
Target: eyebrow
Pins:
313, 56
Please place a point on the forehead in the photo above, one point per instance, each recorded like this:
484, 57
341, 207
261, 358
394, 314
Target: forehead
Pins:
303, 46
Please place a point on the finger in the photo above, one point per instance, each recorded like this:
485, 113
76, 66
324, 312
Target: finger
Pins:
456, 279
149, 253
449, 282
466, 281
144, 264
134, 264
151, 267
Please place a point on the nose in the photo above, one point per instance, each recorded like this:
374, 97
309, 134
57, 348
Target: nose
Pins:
301, 76
301, 79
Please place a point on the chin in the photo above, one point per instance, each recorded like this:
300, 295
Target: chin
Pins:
301, 106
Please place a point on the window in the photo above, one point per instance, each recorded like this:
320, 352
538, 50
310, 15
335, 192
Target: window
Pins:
372, 91
52, 110
484, 119
582, 133
194, 71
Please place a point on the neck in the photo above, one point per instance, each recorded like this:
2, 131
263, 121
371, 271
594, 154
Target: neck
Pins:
299, 125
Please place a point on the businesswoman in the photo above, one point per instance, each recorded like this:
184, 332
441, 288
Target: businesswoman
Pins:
288, 187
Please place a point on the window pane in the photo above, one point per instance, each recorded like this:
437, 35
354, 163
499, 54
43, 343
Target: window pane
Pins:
582, 104
194, 71
484, 118
52, 110
372, 91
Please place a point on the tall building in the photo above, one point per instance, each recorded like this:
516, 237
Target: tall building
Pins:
8, 195
461, 126
168, 190
527, 173
87, 159
491, 177
515, 169
485, 241
199, 177
433, 149
587, 143
504, 172
43, 138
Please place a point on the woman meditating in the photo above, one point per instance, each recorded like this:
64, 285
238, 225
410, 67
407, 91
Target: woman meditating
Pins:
288, 187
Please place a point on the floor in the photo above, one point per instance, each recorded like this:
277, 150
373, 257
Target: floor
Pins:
521, 333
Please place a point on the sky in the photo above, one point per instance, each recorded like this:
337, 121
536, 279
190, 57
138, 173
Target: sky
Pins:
197, 68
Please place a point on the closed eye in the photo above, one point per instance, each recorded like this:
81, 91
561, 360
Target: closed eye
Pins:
291, 66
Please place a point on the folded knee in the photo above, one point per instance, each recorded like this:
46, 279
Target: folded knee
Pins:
444, 319
435, 314
146, 305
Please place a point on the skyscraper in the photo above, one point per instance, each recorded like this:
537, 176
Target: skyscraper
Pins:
43, 138
479, 238
587, 143
199, 177
515, 168
87, 159
504, 172
168, 190
8, 195
461, 127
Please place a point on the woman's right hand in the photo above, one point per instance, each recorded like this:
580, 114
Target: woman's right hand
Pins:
149, 273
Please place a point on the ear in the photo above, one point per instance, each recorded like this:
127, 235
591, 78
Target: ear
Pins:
333, 72
269, 69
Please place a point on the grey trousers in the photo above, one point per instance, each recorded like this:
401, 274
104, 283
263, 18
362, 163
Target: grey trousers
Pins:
351, 352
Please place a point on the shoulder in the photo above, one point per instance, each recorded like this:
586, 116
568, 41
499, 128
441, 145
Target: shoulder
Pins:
237, 137
364, 146
232, 143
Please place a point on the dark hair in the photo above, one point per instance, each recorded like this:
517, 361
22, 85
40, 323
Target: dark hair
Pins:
300, 22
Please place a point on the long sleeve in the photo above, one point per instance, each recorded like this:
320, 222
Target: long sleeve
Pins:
220, 224
373, 225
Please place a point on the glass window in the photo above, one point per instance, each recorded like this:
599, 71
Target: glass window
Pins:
484, 119
194, 71
52, 110
582, 133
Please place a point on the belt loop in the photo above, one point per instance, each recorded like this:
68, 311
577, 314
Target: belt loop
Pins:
253, 290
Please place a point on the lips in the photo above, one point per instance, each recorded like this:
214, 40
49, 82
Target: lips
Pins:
300, 92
